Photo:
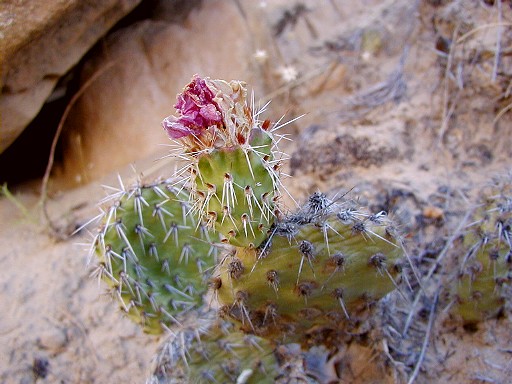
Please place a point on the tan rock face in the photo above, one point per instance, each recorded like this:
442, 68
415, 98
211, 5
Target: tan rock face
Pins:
118, 118
40, 41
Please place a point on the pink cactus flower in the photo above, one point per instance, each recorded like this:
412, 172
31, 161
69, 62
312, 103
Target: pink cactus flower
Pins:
198, 111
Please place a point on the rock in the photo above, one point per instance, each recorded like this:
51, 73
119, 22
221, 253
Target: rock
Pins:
40, 40
118, 118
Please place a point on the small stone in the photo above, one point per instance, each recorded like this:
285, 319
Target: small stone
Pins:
433, 213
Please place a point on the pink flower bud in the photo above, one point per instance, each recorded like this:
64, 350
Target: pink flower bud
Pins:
198, 111
211, 114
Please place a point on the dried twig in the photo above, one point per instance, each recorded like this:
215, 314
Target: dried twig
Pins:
498, 44
392, 89
480, 28
448, 110
44, 186
501, 113
425, 340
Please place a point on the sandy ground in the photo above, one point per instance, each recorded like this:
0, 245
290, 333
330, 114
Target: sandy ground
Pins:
55, 324
393, 111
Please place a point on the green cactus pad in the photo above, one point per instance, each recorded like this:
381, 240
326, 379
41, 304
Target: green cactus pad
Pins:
235, 189
485, 256
321, 267
215, 354
234, 171
153, 256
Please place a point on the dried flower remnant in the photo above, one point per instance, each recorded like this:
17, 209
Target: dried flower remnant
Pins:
231, 157
197, 108
212, 114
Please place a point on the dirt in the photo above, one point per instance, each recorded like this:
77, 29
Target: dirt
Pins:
407, 104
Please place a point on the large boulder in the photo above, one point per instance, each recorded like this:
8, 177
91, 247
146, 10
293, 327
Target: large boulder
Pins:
40, 40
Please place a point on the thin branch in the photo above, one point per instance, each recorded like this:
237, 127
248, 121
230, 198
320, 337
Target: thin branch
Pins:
44, 186
425, 340
448, 110
481, 27
498, 45
501, 113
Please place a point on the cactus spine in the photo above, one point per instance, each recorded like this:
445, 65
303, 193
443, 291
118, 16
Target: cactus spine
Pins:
233, 171
321, 268
214, 352
485, 257
298, 278
154, 257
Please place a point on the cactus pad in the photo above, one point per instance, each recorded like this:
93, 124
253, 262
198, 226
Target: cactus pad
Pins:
485, 257
233, 172
235, 192
154, 257
323, 266
214, 353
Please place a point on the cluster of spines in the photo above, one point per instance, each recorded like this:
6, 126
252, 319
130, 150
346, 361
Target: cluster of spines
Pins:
321, 268
300, 278
235, 189
214, 352
484, 274
295, 278
233, 164
152, 254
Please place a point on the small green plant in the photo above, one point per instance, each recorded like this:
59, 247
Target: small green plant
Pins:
25, 212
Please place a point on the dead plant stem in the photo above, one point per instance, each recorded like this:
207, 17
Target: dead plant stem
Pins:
44, 186
425, 340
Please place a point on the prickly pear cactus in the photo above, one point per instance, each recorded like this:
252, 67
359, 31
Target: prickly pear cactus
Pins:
213, 352
307, 277
485, 256
233, 173
154, 257
321, 268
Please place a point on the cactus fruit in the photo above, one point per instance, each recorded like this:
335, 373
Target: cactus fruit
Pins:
233, 173
485, 257
321, 267
212, 352
154, 257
